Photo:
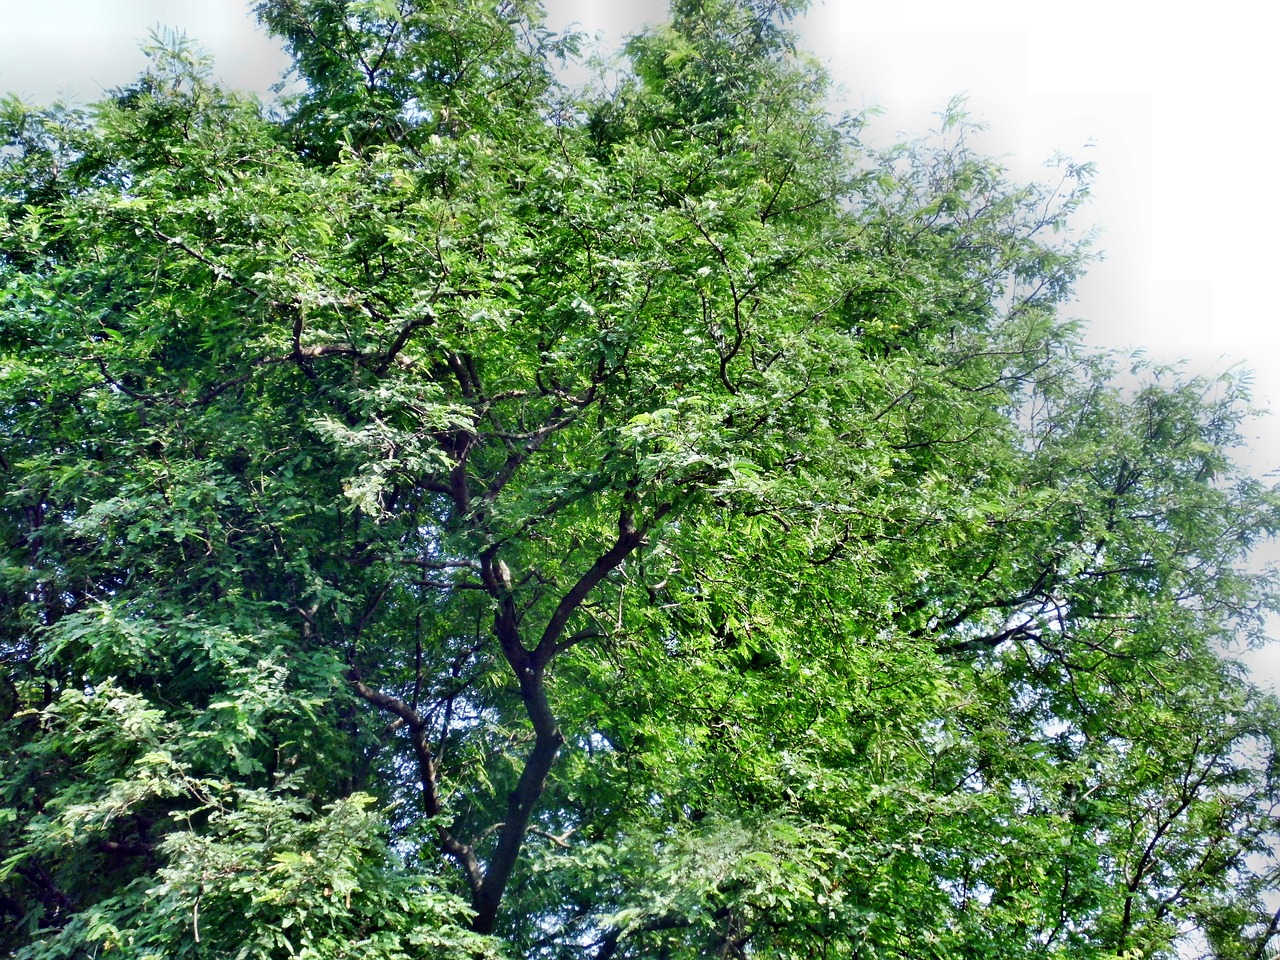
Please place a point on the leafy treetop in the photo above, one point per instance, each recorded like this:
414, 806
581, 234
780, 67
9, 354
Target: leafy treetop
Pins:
449, 514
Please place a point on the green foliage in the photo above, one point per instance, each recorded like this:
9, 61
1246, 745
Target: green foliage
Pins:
263, 874
450, 515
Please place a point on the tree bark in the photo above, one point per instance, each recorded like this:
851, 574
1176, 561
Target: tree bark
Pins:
520, 802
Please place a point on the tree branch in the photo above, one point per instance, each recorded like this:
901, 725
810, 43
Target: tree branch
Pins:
629, 537
428, 773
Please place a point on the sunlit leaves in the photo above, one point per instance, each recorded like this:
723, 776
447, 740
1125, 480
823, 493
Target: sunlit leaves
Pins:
647, 515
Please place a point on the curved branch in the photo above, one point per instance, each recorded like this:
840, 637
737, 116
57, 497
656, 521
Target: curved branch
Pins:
428, 772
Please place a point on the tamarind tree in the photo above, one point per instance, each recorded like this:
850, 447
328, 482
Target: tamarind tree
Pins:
447, 514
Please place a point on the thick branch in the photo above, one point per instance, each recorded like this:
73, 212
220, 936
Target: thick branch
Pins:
629, 537
529, 667
1272, 929
401, 338
520, 802
988, 641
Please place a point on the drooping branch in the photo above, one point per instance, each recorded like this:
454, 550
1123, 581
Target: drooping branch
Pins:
428, 771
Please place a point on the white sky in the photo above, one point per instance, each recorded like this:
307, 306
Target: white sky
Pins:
1175, 109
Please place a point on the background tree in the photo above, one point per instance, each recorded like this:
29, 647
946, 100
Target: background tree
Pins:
461, 516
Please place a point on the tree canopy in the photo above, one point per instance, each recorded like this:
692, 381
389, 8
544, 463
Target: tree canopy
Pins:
449, 514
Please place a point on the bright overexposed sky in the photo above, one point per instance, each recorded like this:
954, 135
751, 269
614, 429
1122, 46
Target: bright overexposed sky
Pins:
1174, 109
